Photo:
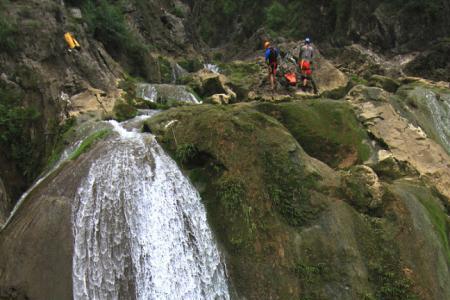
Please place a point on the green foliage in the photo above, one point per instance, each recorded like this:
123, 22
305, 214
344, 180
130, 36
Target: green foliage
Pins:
89, 142
124, 111
276, 16
165, 69
185, 153
231, 192
61, 134
178, 11
8, 35
16, 123
310, 273
391, 285
107, 23
191, 65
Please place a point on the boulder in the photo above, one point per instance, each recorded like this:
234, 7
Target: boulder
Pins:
362, 188
396, 133
386, 83
220, 99
208, 84
388, 167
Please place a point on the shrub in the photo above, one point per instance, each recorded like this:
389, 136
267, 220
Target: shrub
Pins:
107, 23
8, 34
185, 153
124, 111
15, 135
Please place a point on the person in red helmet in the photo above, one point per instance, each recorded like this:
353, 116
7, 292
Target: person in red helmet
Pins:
271, 58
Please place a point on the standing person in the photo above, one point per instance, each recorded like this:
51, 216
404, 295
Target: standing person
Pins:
271, 57
306, 51
305, 59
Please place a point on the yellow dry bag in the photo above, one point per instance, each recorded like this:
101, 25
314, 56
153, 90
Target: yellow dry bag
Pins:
71, 41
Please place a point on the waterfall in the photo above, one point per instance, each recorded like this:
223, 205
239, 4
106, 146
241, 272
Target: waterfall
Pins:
440, 112
165, 93
212, 68
140, 229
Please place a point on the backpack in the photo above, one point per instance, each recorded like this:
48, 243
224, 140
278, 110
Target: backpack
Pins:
273, 55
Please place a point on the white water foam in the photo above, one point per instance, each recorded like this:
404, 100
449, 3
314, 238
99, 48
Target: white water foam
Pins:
140, 228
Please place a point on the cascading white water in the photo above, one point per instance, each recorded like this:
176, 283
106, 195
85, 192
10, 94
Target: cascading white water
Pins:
440, 112
140, 229
212, 68
163, 93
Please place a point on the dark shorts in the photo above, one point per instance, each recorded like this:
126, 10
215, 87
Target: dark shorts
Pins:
273, 68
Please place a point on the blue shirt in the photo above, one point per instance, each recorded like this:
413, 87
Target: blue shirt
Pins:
268, 53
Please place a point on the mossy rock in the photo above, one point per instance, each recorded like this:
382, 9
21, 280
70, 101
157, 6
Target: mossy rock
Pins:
280, 191
243, 76
326, 129
123, 111
191, 65
386, 83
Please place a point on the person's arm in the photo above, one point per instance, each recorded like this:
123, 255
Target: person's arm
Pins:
267, 55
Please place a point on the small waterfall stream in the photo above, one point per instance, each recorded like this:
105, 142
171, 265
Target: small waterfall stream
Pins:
140, 228
440, 112
165, 93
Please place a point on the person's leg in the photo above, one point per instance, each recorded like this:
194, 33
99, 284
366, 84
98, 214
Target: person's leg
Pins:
314, 86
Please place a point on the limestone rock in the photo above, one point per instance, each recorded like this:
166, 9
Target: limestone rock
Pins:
386, 83
389, 167
362, 188
92, 100
207, 84
405, 141
220, 99
76, 13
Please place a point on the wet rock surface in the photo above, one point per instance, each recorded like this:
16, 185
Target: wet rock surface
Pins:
404, 140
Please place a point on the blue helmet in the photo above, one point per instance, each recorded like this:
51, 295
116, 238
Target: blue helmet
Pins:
307, 40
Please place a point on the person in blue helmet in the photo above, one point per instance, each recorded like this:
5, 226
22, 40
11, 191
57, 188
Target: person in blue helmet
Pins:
305, 62
306, 51
271, 58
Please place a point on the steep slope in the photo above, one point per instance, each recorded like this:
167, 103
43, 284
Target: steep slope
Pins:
294, 228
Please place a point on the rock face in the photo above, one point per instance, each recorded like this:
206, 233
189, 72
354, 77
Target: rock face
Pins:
428, 106
45, 76
406, 142
4, 203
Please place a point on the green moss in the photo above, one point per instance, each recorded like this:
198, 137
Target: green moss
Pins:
89, 142
165, 70
8, 35
191, 65
243, 76
290, 190
381, 255
124, 111
62, 134
326, 130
